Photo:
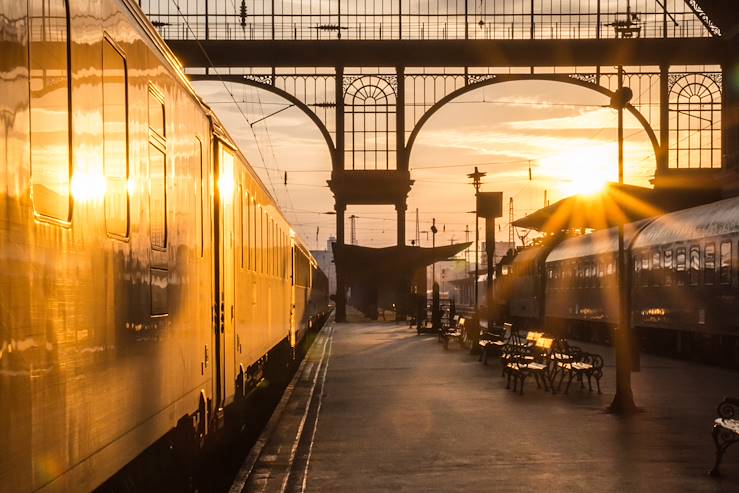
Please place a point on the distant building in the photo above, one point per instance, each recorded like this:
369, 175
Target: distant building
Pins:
501, 248
325, 260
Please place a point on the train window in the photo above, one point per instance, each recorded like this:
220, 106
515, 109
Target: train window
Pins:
680, 265
248, 233
265, 235
667, 264
725, 266
260, 246
709, 265
241, 224
156, 111
253, 235
115, 140
50, 119
271, 246
645, 270
157, 197
157, 171
267, 239
656, 268
695, 265
202, 192
637, 270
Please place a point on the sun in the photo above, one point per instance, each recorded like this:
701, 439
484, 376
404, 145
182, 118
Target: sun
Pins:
586, 181
583, 171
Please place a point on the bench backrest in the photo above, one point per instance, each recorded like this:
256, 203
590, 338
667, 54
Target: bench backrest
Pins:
544, 343
533, 336
460, 322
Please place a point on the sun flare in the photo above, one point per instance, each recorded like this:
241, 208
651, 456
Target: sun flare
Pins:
585, 171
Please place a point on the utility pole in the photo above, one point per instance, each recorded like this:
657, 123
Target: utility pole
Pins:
353, 223
476, 182
511, 237
418, 231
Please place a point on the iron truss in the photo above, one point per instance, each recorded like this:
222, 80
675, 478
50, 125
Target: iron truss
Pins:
370, 73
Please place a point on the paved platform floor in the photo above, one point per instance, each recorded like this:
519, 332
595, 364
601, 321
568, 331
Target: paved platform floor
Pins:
393, 411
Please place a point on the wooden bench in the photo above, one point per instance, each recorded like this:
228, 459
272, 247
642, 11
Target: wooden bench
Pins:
725, 429
530, 360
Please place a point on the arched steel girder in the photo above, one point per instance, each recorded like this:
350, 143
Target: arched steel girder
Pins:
240, 79
498, 79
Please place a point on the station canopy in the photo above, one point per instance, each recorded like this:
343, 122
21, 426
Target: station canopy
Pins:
616, 204
364, 263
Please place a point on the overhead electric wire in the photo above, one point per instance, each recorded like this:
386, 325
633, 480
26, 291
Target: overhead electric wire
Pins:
228, 90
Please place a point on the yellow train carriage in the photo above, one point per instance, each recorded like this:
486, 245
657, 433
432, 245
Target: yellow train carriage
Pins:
145, 272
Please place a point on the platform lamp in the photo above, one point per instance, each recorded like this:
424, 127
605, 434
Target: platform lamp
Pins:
623, 400
476, 177
433, 245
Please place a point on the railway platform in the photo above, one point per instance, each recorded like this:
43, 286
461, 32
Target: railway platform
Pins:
375, 407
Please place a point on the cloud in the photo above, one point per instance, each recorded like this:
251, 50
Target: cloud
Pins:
604, 118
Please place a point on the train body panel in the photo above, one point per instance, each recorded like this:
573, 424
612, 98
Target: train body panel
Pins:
113, 255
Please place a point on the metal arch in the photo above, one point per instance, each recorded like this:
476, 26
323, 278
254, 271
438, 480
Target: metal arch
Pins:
240, 79
497, 79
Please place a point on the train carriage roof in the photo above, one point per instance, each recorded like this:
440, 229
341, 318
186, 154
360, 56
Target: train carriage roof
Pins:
705, 221
597, 243
527, 255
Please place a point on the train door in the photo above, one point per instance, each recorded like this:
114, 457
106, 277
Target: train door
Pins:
225, 265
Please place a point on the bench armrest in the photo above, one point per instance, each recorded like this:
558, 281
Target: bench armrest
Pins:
728, 408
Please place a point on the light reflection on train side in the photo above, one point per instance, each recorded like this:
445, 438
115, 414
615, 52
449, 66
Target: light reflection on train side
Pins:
88, 186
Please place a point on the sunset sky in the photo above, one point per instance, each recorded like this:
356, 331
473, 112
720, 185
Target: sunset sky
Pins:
563, 132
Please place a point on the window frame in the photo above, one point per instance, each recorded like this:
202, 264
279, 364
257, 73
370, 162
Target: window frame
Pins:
39, 214
694, 272
730, 267
709, 280
107, 39
159, 142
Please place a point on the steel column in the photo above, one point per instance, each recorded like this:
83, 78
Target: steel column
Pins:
663, 159
340, 242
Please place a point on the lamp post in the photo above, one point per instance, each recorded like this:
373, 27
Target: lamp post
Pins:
623, 401
433, 245
476, 182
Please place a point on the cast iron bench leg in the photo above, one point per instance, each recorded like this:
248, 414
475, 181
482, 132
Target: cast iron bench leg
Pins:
720, 450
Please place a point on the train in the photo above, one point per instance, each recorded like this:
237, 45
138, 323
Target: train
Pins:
682, 281
148, 279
